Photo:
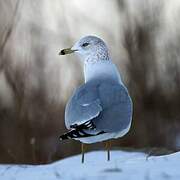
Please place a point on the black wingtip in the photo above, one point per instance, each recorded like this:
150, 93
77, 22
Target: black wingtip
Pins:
63, 137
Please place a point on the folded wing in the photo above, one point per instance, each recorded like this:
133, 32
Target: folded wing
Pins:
84, 105
106, 103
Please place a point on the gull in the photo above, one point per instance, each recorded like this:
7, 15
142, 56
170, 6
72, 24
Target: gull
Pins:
101, 108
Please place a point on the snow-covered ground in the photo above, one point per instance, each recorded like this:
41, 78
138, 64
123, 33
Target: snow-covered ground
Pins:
123, 166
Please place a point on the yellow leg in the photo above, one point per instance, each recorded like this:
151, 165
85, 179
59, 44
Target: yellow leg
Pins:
82, 151
108, 147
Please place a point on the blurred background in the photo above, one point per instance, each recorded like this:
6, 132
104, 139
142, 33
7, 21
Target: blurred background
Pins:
143, 37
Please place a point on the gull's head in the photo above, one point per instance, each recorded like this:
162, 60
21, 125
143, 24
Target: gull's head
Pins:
90, 48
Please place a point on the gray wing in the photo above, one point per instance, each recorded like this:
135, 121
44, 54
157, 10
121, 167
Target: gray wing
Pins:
117, 108
84, 105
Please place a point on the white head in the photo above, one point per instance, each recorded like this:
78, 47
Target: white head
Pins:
90, 48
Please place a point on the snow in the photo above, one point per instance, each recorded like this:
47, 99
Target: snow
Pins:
123, 165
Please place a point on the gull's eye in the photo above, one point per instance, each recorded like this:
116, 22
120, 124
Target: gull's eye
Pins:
85, 44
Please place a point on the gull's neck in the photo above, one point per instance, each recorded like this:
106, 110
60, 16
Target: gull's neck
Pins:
95, 57
102, 69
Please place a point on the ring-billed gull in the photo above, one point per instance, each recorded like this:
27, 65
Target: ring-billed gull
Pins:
101, 108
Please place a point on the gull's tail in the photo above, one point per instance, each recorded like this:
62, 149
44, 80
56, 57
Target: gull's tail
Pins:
79, 131
75, 133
